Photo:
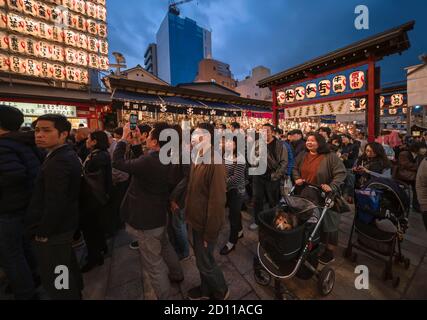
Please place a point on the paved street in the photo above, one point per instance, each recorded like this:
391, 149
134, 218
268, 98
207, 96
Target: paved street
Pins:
121, 277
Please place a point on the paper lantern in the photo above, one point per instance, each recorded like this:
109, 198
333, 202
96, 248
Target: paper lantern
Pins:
357, 80
18, 65
290, 95
392, 111
16, 4
102, 30
74, 20
31, 27
3, 19
300, 93
281, 97
32, 69
324, 88
339, 84
84, 76
46, 50
58, 53
43, 11
71, 38
30, 7
92, 27
32, 47
4, 41
82, 41
70, 4
2, 3
57, 16
104, 63
14, 43
71, 74
91, 9
57, 34
93, 61
311, 90
4, 62
102, 13
101, 2
81, 23
92, 44
362, 104
82, 58
382, 101
103, 47
45, 70
80, 6
59, 72
397, 100
15, 23
70, 56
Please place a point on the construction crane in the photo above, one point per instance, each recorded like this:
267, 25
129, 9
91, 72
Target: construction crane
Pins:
173, 6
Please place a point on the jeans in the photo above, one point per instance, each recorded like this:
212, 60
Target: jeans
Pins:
17, 256
212, 279
158, 259
263, 187
180, 234
58, 251
234, 203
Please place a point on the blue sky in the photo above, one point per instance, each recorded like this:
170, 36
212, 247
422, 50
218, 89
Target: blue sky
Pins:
278, 34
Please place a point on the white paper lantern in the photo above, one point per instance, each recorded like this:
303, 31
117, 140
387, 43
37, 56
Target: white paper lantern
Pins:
70, 4
32, 69
15, 23
101, 2
102, 30
91, 9
14, 43
93, 44
92, 26
30, 7
281, 97
32, 47
357, 80
46, 50
311, 90
82, 58
84, 76
81, 23
43, 11
324, 88
57, 16
59, 72
18, 65
70, 56
397, 100
31, 27
80, 6
4, 62
82, 41
93, 61
45, 69
299, 93
103, 63
58, 53
102, 13
71, 74
3, 19
57, 34
290, 95
103, 47
339, 84
71, 38
16, 5
4, 41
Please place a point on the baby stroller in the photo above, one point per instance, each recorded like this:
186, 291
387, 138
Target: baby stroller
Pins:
285, 254
381, 220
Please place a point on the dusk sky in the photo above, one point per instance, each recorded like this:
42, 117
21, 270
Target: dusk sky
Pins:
278, 34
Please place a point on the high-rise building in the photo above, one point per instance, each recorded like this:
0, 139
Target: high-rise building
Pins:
181, 45
211, 70
248, 87
150, 59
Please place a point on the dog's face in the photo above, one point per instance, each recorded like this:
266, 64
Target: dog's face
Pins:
283, 222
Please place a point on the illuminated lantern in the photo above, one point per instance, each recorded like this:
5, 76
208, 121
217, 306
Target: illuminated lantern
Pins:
300, 93
81, 23
362, 104
104, 63
14, 43
382, 101
82, 41
392, 111
92, 44
84, 76
70, 4
30, 7
397, 100
91, 9
43, 11
311, 90
70, 56
93, 61
4, 62
46, 50
59, 72
4, 41
352, 105
404, 110
3, 19
15, 23
102, 30
92, 27
71, 74
357, 80
57, 16
339, 84
18, 65
16, 4
324, 88
71, 38
80, 6
32, 47
289, 95
58, 53
102, 13
57, 34
45, 70
82, 58
32, 68
103, 47
281, 97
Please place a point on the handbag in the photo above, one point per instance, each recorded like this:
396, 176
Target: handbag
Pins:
96, 183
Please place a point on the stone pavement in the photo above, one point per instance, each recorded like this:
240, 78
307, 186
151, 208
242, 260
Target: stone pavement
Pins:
121, 277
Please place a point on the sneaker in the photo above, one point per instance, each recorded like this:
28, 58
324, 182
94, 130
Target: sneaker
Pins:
229, 247
253, 227
134, 245
327, 257
196, 294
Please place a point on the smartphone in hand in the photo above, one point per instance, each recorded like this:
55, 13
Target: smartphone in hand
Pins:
133, 120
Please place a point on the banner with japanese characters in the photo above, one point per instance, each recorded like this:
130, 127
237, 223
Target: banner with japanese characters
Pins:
321, 109
346, 82
68, 36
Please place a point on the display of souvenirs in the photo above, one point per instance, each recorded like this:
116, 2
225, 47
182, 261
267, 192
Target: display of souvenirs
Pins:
324, 87
4, 62
299, 93
357, 80
311, 90
339, 84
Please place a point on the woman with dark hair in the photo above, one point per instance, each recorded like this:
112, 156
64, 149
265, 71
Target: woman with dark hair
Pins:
96, 190
374, 161
321, 167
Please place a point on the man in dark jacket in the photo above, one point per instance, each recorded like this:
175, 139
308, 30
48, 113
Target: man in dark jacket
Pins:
144, 208
269, 183
19, 165
53, 213
297, 142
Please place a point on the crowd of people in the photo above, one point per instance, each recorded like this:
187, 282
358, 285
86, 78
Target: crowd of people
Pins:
61, 188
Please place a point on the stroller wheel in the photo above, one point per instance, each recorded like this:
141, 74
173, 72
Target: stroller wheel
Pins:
262, 277
396, 282
326, 281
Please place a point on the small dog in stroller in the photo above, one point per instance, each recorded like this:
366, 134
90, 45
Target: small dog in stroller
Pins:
285, 221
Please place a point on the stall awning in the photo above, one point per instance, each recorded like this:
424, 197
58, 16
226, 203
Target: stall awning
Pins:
136, 97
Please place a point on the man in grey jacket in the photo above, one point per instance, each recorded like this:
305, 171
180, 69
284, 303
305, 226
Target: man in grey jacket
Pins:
422, 189
269, 183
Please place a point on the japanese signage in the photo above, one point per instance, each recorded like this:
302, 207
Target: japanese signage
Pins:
56, 39
332, 85
321, 109
38, 109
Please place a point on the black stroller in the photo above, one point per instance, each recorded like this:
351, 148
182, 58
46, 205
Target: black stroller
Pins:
380, 200
284, 254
